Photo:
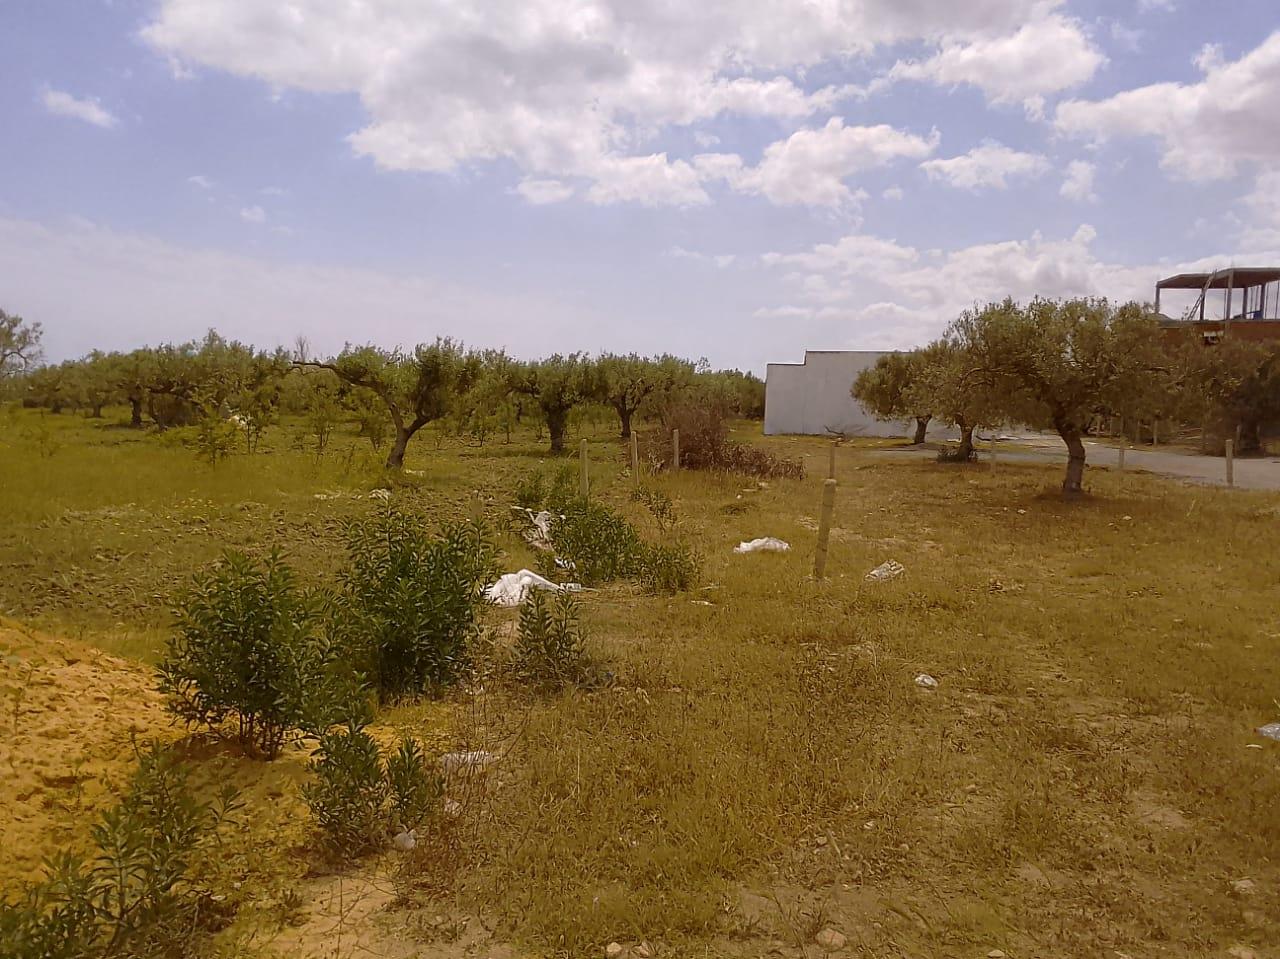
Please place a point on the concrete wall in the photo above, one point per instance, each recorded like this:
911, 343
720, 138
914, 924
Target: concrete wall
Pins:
813, 397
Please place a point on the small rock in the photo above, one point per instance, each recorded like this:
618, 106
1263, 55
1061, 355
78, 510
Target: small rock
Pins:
925, 681
821, 841
971, 788
643, 951
830, 939
613, 950
995, 954
1244, 887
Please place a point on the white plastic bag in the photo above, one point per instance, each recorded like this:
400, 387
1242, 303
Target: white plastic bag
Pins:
765, 544
513, 588
889, 569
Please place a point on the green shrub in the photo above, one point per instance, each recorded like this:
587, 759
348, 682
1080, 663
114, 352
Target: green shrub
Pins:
247, 648
358, 800
536, 491
549, 651
669, 567
659, 505
595, 543
409, 599
132, 896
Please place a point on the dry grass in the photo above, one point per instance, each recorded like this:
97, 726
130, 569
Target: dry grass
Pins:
764, 766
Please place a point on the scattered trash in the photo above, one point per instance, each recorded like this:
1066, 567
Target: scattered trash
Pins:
1270, 730
474, 759
380, 494
405, 839
925, 681
701, 602
1244, 887
613, 950
830, 939
540, 536
889, 569
1253, 745
765, 544
452, 808
513, 588
642, 951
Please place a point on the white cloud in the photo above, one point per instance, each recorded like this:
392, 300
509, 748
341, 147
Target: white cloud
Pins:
273, 191
539, 192
720, 260
893, 193
990, 165
203, 182
253, 214
561, 89
705, 140
1078, 184
810, 167
1045, 56
89, 110
1207, 130
856, 253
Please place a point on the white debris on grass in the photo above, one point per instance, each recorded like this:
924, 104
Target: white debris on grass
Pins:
889, 569
405, 839
925, 681
512, 589
1270, 730
765, 544
472, 760
539, 537
382, 494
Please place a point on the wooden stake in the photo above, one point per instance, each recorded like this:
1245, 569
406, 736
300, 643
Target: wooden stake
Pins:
675, 450
584, 483
1155, 432
831, 466
635, 457
1231, 463
1122, 459
993, 447
824, 528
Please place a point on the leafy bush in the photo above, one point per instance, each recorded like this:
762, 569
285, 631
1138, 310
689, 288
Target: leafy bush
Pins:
705, 445
132, 897
409, 600
549, 651
598, 544
957, 454
358, 800
669, 567
536, 491
247, 648
659, 505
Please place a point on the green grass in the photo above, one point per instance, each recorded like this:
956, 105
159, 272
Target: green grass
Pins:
763, 766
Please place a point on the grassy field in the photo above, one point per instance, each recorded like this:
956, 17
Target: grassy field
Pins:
763, 770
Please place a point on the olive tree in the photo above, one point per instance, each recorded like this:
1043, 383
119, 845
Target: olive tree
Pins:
885, 390
1055, 364
944, 383
557, 384
1231, 387
415, 388
19, 344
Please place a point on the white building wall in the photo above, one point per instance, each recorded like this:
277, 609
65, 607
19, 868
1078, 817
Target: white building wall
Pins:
813, 397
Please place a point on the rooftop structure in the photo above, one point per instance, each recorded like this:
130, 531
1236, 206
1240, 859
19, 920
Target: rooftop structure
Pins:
1248, 308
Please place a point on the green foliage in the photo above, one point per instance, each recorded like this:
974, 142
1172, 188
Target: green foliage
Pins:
247, 649
550, 651
705, 445
669, 567
131, 897
659, 505
214, 438
359, 800
596, 543
409, 599
558, 384
19, 344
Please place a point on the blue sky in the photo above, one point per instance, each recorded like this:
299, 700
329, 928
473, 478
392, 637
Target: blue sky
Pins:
739, 180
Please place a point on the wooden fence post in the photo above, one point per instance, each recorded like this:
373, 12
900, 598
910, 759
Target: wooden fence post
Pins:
1231, 464
1155, 432
584, 483
831, 466
1121, 459
675, 450
993, 447
635, 457
824, 528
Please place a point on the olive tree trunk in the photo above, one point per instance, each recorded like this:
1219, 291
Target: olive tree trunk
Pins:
1073, 483
922, 427
557, 420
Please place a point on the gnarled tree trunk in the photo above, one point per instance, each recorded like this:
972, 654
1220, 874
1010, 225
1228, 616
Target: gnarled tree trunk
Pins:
624, 417
557, 420
922, 428
966, 441
1073, 483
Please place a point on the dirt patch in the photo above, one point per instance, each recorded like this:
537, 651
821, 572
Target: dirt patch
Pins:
72, 713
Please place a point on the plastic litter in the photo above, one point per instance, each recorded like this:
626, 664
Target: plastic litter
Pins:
382, 494
925, 681
405, 839
470, 760
1270, 730
539, 537
889, 569
513, 588
765, 544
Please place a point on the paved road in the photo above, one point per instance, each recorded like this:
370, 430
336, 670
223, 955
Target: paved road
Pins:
1250, 473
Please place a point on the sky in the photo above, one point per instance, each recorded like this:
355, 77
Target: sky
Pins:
739, 180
